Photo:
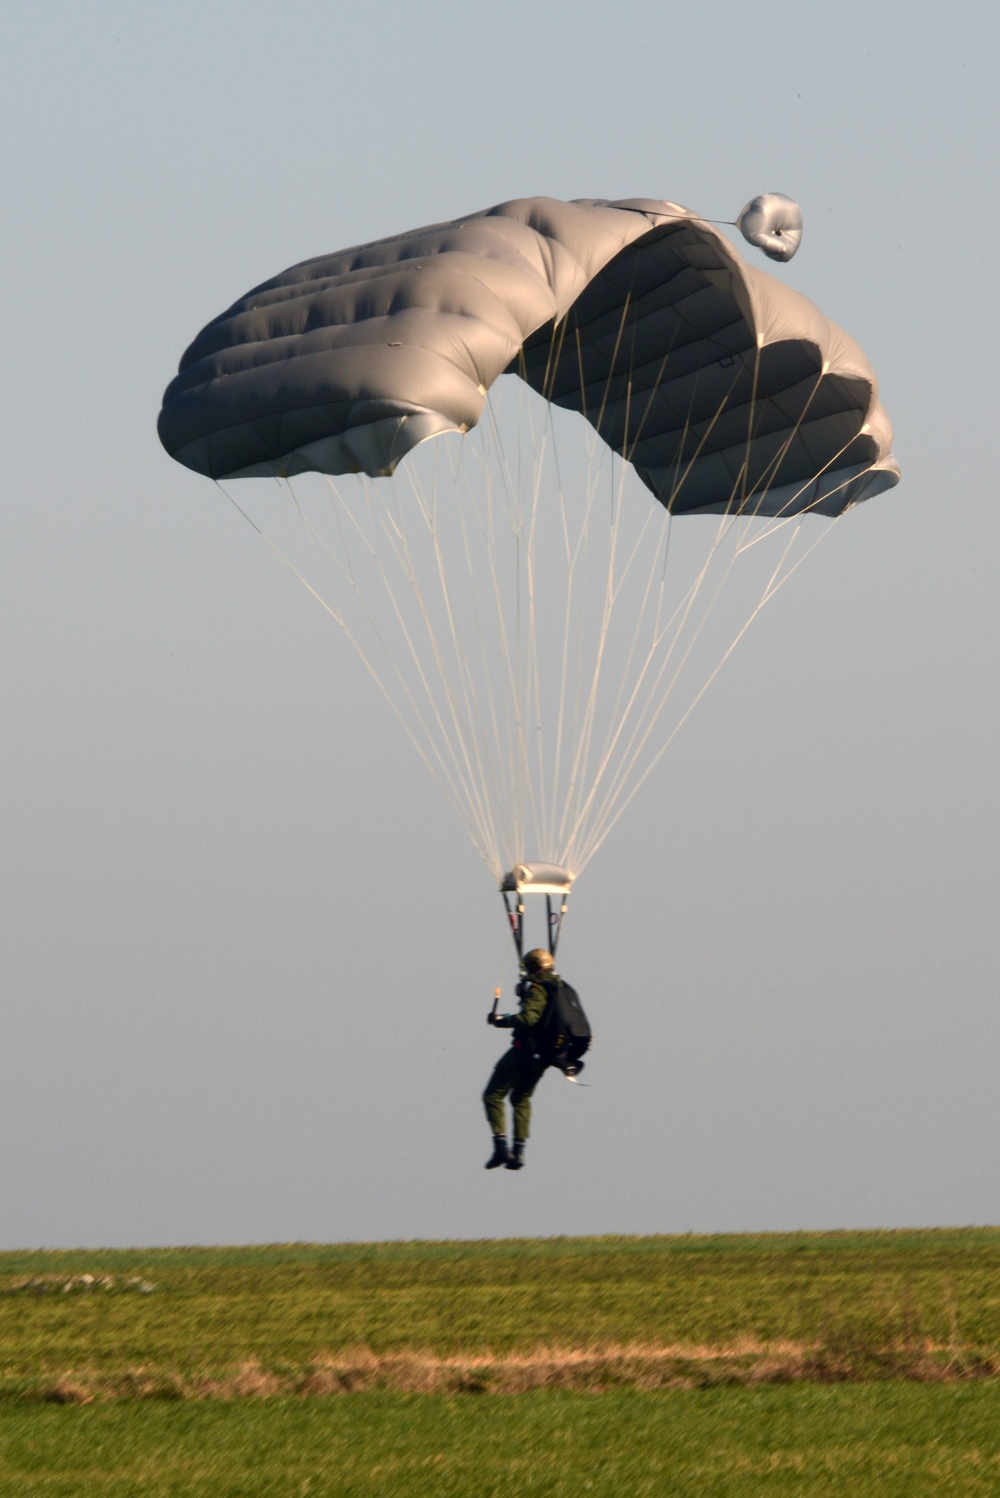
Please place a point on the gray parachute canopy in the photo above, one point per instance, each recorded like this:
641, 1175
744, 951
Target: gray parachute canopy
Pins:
725, 389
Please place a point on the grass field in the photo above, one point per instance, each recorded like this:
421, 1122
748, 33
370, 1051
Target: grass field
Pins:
804, 1439
804, 1363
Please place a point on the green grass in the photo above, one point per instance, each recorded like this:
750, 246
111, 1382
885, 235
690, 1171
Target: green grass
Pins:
803, 1439
806, 1364
284, 1308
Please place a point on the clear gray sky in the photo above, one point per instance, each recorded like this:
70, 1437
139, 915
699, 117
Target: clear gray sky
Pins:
246, 951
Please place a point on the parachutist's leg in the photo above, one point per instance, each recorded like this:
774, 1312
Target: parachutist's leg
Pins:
504, 1077
527, 1080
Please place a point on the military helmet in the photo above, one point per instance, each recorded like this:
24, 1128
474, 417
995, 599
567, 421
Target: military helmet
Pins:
538, 961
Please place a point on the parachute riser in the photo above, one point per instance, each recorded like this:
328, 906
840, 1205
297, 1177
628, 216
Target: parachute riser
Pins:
543, 879
554, 920
515, 916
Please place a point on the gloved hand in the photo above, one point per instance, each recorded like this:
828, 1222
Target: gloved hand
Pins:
500, 1021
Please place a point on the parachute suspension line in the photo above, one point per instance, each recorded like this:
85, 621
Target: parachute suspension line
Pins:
647, 523
573, 630
583, 727
486, 524
382, 519
651, 709
575, 810
518, 789
586, 736
508, 507
520, 780
493, 739
619, 714
554, 353
470, 727
531, 777
439, 773
653, 705
516, 781
609, 814
474, 812
579, 856
529, 695
510, 493
783, 518
571, 687
533, 767
769, 594
534, 711
576, 559
461, 712
240, 510
573, 691
604, 819
571, 852
479, 742
652, 511
557, 752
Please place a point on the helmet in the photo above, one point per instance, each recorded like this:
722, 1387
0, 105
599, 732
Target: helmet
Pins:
538, 961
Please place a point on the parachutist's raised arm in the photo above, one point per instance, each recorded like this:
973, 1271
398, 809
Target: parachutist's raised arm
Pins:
499, 1021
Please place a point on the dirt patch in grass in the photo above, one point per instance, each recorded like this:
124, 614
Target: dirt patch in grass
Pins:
744, 1363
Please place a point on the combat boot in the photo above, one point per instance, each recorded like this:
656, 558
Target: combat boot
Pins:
515, 1160
500, 1155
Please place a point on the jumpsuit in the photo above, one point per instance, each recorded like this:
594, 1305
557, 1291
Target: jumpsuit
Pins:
520, 1069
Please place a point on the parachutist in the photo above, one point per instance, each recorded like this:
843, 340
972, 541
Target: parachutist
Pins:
550, 1029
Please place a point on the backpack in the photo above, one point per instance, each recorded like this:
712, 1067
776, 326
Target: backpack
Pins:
563, 1035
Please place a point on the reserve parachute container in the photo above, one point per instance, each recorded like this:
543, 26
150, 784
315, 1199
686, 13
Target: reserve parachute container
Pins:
509, 592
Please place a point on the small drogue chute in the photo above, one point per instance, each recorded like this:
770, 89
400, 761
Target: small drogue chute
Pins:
773, 223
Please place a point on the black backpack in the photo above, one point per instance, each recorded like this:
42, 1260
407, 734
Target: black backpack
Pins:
562, 1036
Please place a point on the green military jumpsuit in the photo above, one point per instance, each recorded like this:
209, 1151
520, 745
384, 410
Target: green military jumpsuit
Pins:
519, 1070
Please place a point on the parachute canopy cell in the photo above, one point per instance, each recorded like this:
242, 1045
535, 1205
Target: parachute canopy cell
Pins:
726, 390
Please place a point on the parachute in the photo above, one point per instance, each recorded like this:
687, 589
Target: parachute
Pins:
516, 611
773, 223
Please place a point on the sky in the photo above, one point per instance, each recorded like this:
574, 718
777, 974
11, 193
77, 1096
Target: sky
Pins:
247, 952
